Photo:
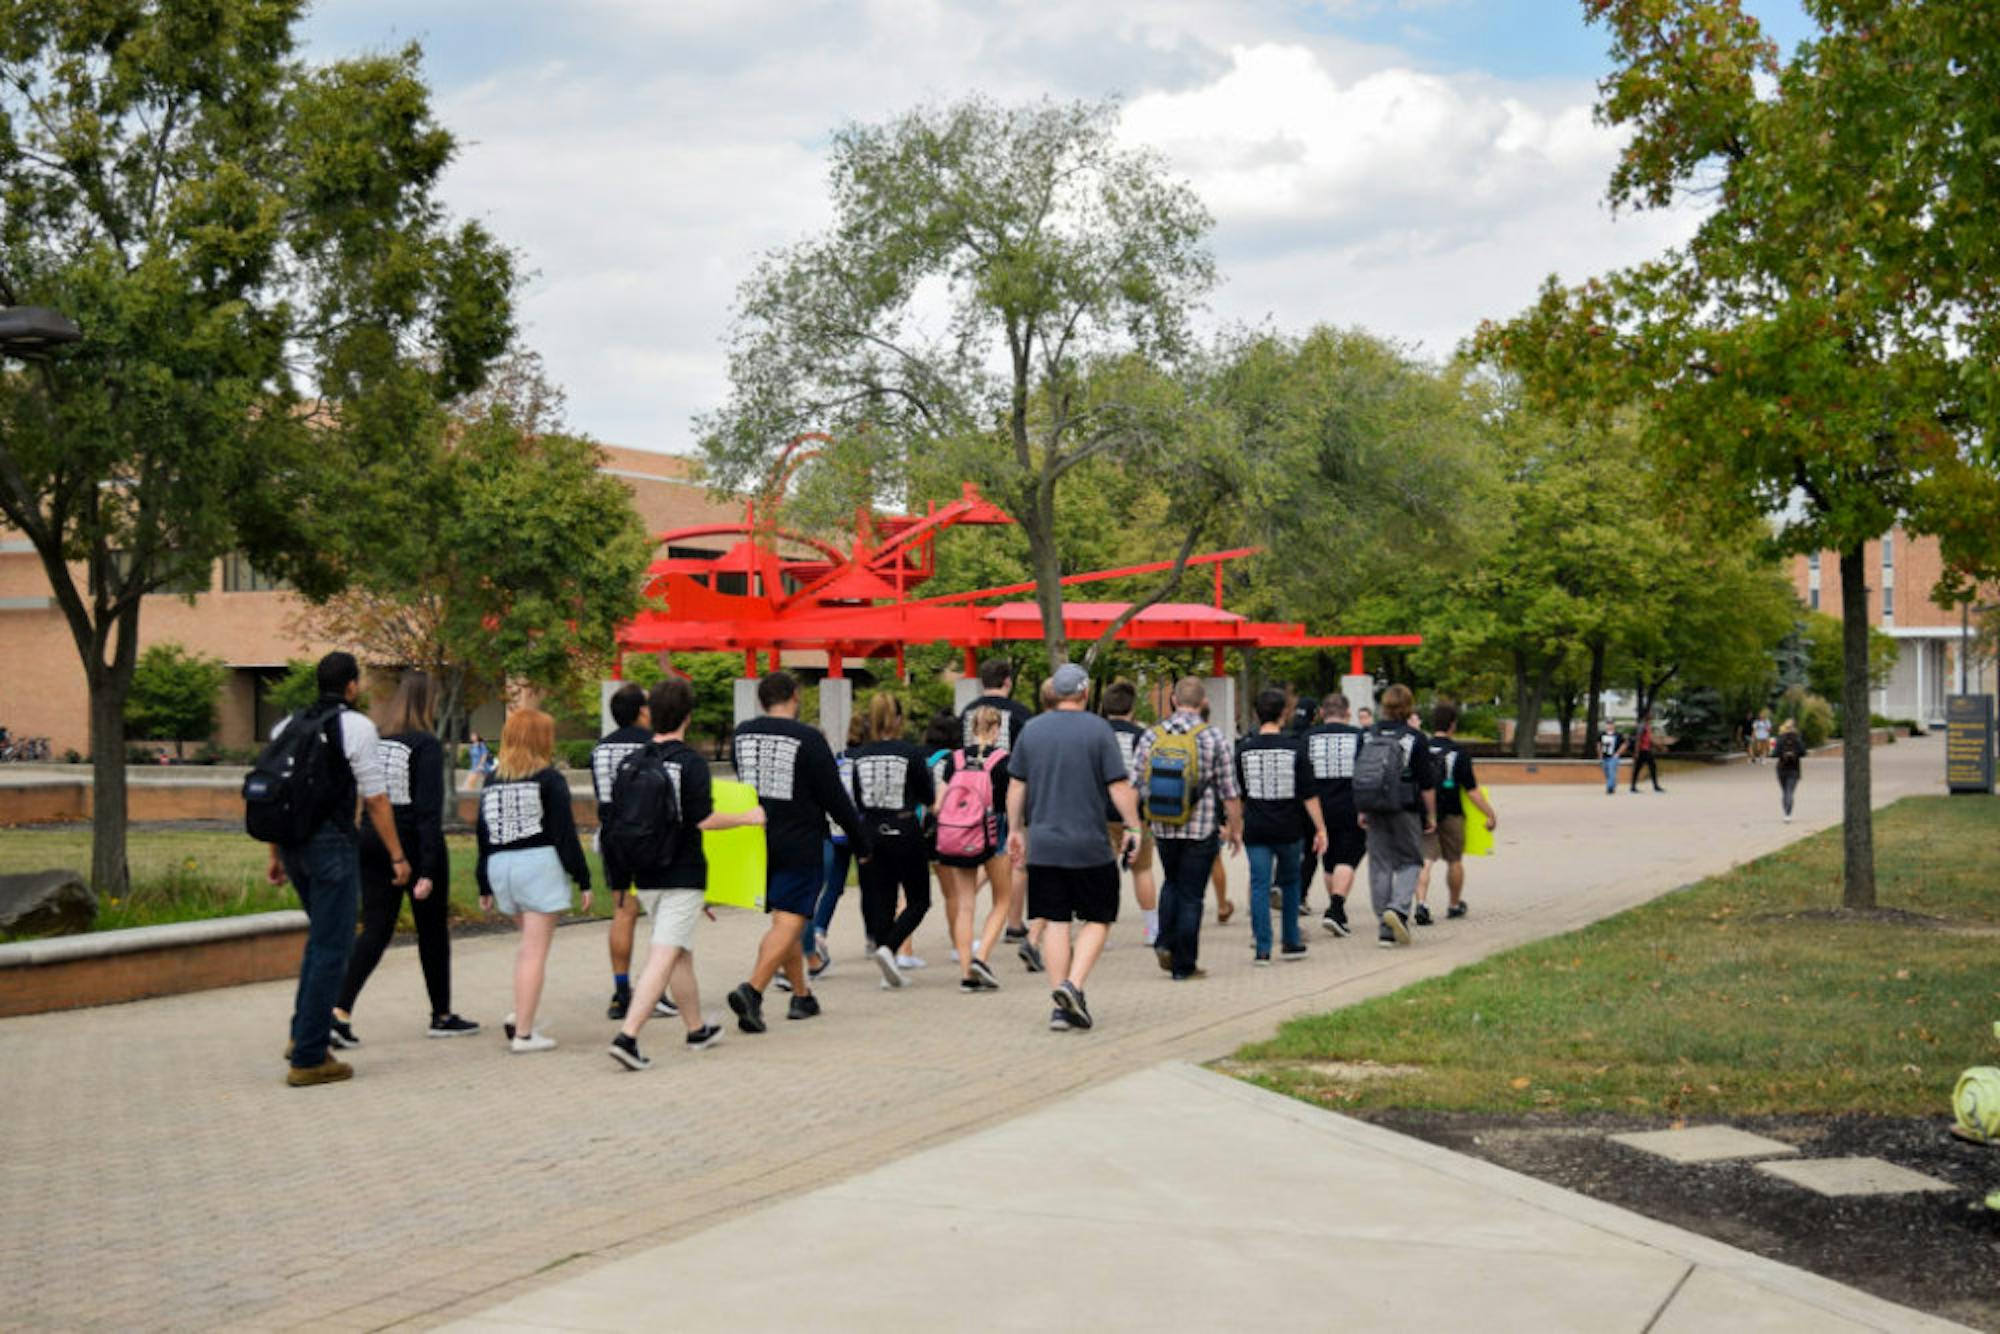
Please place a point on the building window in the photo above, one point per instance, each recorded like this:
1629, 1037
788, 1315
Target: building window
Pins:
193, 579
240, 576
1888, 551
1888, 606
1812, 598
1812, 561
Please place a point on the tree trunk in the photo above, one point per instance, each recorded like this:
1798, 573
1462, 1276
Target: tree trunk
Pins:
1047, 565
1857, 807
1566, 703
1529, 687
1594, 710
109, 874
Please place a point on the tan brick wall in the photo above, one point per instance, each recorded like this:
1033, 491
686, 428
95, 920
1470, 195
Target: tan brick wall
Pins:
41, 678
1919, 564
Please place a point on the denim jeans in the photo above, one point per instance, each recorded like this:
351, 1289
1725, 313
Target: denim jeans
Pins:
326, 872
1266, 861
1610, 763
834, 861
1184, 868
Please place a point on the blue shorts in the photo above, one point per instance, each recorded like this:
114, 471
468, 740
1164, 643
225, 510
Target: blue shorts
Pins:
528, 880
792, 889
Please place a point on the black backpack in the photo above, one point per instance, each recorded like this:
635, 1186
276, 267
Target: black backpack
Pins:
296, 782
644, 831
1380, 783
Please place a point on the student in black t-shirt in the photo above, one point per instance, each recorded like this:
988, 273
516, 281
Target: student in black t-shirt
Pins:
996, 679
528, 854
674, 894
1331, 748
892, 784
1121, 698
1280, 811
628, 711
798, 782
1457, 784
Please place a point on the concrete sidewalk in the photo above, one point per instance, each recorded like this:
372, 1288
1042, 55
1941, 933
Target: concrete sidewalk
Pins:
1180, 1199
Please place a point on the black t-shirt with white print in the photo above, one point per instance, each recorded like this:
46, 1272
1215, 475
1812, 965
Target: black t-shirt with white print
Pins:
891, 781
695, 794
1330, 750
798, 785
1126, 733
1276, 778
531, 812
1418, 770
413, 771
605, 757
1013, 717
1453, 765
1608, 743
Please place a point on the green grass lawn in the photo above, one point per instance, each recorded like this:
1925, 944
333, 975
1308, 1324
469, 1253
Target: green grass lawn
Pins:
1719, 998
184, 875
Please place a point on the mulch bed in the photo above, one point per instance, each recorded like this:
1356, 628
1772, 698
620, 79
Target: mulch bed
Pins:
1936, 1252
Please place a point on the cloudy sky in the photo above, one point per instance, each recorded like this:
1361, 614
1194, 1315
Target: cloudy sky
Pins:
1410, 166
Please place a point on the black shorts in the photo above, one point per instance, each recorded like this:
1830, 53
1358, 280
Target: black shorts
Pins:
1345, 846
1079, 893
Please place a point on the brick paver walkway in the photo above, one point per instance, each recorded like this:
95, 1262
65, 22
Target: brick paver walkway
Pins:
158, 1173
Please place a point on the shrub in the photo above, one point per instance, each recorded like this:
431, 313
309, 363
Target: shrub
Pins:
1813, 714
173, 695
574, 754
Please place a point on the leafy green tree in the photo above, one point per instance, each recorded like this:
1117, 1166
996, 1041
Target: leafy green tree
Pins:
173, 696
1813, 352
297, 689
1826, 656
269, 291
1064, 267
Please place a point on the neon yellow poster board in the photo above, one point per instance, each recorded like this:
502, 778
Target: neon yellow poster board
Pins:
1478, 838
735, 856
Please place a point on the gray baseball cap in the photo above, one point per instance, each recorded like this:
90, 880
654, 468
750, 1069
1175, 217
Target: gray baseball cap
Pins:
1069, 681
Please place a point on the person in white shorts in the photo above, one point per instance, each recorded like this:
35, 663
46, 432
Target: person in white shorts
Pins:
673, 894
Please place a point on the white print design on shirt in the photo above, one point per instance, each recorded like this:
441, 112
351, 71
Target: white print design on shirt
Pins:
1607, 745
1128, 746
513, 812
395, 770
1332, 754
770, 764
1270, 775
1450, 778
604, 762
883, 781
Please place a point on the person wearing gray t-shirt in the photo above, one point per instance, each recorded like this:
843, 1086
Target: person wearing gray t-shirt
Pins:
1066, 762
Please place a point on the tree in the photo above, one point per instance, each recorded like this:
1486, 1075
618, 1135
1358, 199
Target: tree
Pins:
269, 294
297, 689
1813, 354
1002, 290
173, 696
1825, 665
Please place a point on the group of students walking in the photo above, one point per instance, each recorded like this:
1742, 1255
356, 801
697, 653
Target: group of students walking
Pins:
1053, 805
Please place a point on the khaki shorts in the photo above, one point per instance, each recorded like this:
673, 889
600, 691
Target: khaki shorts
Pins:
1448, 843
1142, 860
674, 913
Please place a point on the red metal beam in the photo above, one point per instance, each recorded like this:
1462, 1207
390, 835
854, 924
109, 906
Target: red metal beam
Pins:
1095, 577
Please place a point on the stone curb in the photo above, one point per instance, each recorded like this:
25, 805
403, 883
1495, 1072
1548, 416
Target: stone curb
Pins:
98, 944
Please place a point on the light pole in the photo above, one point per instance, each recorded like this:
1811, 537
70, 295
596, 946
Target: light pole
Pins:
29, 331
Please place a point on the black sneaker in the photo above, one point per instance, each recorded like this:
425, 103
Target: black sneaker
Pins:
982, 973
1031, 958
507, 1027
621, 1001
1069, 999
969, 985
1291, 952
1335, 920
1014, 933
1384, 939
748, 1002
803, 1007
340, 1033
1263, 959
1455, 910
1423, 914
451, 1026
1398, 927
704, 1037
1059, 1021
666, 1009
625, 1051
816, 971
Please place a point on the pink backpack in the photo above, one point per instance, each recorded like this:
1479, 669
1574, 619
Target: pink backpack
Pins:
967, 826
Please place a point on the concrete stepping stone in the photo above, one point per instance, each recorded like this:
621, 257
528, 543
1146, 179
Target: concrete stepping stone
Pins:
1854, 1176
1705, 1144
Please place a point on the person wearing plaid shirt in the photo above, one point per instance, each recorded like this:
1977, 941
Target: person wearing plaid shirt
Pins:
1188, 851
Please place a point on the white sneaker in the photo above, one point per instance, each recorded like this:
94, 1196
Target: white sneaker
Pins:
909, 961
531, 1042
886, 961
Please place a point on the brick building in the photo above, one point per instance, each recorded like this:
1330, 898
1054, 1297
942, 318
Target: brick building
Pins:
242, 618
1902, 570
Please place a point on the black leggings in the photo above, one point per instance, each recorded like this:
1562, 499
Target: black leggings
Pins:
381, 901
1644, 760
899, 863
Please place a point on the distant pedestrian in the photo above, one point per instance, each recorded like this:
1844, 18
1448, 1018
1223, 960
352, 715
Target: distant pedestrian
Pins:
1395, 793
628, 712
996, 680
1457, 784
674, 893
1187, 785
413, 770
1645, 747
1611, 746
1760, 735
1065, 765
1121, 698
477, 759
892, 787
798, 782
324, 865
1331, 748
1364, 717
971, 785
836, 858
1281, 820
529, 853
1790, 753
